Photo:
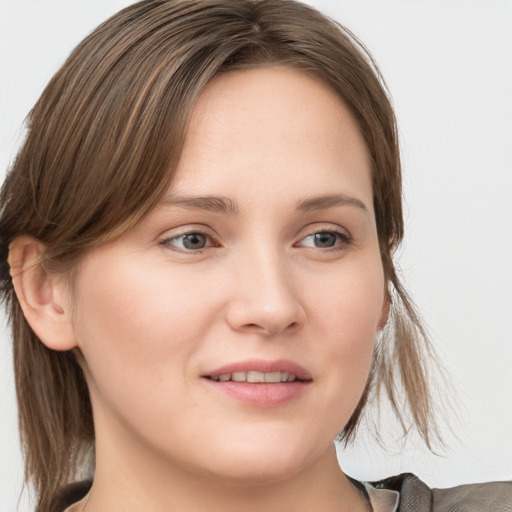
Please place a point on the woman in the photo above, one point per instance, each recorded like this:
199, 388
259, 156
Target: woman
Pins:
197, 242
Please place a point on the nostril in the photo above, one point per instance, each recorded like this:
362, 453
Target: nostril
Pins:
294, 326
270, 330
253, 327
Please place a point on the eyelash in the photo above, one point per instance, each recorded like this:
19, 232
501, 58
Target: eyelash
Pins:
342, 242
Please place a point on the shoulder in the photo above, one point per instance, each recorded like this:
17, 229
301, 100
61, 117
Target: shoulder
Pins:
416, 496
491, 496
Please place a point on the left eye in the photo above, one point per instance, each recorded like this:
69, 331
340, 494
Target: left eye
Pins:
324, 239
190, 241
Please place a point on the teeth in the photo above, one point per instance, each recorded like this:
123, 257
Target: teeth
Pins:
257, 377
273, 377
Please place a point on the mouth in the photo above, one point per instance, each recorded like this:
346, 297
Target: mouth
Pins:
260, 371
255, 377
261, 383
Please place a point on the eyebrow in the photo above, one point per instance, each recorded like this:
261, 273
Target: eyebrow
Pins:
329, 201
206, 203
219, 204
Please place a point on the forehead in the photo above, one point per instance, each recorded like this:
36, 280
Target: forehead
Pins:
268, 128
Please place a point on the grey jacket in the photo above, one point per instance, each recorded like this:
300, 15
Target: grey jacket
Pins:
416, 496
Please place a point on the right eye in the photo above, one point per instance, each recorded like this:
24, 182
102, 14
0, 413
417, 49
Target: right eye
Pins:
193, 241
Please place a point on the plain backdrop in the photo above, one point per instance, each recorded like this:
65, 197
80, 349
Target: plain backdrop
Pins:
448, 65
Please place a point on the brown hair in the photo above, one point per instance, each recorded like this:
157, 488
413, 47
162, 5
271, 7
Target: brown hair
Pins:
102, 143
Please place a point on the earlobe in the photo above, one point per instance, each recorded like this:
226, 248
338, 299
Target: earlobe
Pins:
42, 296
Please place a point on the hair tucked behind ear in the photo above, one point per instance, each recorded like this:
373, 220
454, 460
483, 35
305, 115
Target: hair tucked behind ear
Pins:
102, 145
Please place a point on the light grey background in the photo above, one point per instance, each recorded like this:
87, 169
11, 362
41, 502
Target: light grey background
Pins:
448, 64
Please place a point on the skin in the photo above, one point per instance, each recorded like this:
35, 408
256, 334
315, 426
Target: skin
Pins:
151, 317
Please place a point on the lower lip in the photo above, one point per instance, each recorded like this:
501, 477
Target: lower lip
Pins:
262, 394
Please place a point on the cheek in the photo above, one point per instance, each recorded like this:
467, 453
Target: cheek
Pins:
138, 328
350, 301
347, 315
138, 322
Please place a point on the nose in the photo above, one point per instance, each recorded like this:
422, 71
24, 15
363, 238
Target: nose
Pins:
266, 300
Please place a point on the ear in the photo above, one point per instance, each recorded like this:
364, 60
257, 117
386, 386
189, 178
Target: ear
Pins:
44, 297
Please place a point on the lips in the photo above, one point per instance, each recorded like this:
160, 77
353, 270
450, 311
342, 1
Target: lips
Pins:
260, 383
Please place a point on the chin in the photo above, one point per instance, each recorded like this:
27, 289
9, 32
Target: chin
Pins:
261, 460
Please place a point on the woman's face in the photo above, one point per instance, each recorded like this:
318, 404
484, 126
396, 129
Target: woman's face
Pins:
261, 263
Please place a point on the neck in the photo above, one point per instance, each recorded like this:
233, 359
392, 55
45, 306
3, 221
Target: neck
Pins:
322, 487
130, 476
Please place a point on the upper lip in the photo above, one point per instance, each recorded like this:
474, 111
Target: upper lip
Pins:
263, 366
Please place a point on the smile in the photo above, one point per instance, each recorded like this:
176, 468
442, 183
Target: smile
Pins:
256, 377
260, 383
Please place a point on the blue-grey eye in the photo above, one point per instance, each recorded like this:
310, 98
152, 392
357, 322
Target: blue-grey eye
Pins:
324, 239
194, 241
